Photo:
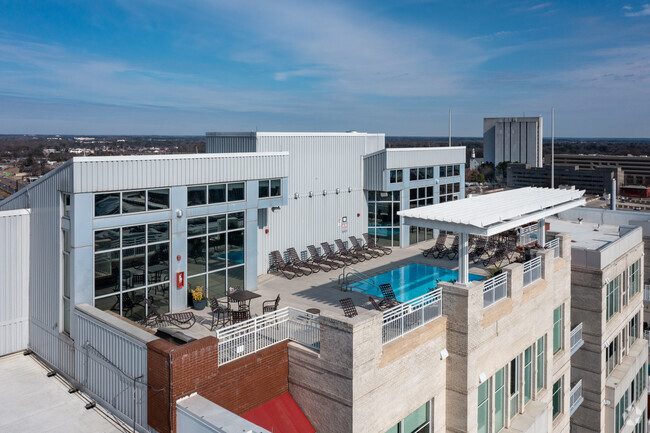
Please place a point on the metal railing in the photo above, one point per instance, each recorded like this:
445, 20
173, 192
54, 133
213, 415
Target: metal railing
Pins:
532, 270
555, 245
410, 315
344, 278
576, 397
528, 235
257, 333
646, 293
495, 289
576, 338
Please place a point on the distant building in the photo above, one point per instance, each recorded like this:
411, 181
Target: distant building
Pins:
635, 191
514, 139
636, 168
594, 181
474, 162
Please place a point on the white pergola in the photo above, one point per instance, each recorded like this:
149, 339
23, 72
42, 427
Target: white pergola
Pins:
491, 214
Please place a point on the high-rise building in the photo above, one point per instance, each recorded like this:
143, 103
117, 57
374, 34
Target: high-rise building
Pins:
513, 139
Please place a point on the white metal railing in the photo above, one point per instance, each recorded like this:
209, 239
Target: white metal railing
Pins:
495, 289
532, 270
528, 235
576, 398
555, 245
257, 333
576, 338
646, 293
410, 315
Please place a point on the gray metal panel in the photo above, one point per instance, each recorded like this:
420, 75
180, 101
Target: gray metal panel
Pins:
317, 162
488, 140
121, 173
531, 144
373, 171
419, 157
236, 143
498, 142
515, 144
109, 353
14, 281
506, 141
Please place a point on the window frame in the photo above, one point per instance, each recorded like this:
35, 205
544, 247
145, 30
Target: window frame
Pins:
560, 389
558, 332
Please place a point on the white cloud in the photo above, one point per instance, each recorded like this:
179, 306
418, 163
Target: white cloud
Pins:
644, 11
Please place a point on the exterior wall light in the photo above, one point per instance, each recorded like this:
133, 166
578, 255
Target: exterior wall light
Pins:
179, 213
349, 189
296, 195
274, 208
324, 192
338, 190
482, 378
311, 193
444, 354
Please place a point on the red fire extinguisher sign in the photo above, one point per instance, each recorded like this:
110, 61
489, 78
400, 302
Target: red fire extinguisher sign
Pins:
180, 279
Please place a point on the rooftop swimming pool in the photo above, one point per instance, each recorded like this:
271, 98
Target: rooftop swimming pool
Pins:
409, 281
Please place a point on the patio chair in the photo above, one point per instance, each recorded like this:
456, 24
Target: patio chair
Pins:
183, 320
452, 251
390, 300
331, 255
238, 316
286, 269
325, 264
220, 313
498, 256
349, 309
342, 250
371, 244
356, 247
271, 305
437, 248
297, 262
479, 248
381, 306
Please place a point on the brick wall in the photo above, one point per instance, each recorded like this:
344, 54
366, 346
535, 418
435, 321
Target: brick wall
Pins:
238, 386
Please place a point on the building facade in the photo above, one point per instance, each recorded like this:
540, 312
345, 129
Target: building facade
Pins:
513, 139
596, 181
636, 168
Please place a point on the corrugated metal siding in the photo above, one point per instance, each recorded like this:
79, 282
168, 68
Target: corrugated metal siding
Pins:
132, 173
230, 143
373, 169
316, 163
15, 201
106, 362
14, 281
405, 158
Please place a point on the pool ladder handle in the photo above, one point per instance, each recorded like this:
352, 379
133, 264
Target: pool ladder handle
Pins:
344, 280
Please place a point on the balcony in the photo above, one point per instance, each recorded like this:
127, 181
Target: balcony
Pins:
576, 397
554, 245
576, 338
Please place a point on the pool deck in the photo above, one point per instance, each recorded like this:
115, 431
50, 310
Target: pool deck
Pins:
321, 290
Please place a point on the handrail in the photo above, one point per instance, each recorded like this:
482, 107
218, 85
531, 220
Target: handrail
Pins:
555, 245
408, 316
344, 282
495, 289
532, 270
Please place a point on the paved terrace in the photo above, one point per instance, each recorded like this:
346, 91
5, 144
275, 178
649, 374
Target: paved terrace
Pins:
321, 290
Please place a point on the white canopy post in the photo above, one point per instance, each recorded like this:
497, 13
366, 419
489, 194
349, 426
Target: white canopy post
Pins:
541, 231
463, 258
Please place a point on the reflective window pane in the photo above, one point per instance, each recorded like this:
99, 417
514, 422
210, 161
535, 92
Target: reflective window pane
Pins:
372, 220
194, 282
235, 247
236, 220
196, 226
107, 204
133, 264
236, 191
236, 277
107, 239
110, 303
217, 284
399, 176
158, 199
158, 232
196, 195
158, 263
429, 172
371, 195
66, 205
414, 174
422, 173
217, 223
107, 268
276, 187
216, 251
133, 235
384, 214
159, 296
217, 193
263, 188
417, 419
133, 305
134, 201
196, 256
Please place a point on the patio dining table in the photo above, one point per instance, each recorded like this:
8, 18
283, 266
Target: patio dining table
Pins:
244, 296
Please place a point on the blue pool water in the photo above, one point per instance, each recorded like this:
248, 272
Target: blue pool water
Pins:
409, 281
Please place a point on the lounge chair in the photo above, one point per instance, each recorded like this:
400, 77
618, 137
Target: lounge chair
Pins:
325, 264
390, 300
371, 244
343, 251
183, 320
286, 269
357, 248
220, 313
331, 255
271, 306
437, 248
479, 248
349, 309
378, 306
297, 262
452, 251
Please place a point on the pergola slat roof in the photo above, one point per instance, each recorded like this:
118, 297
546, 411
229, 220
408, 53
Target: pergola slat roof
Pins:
490, 214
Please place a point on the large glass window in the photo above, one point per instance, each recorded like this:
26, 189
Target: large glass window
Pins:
558, 328
540, 362
499, 400
383, 221
634, 328
557, 398
131, 265
449, 192
514, 387
633, 272
115, 203
483, 407
270, 188
220, 193
396, 176
528, 374
612, 297
418, 421
611, 355
216, 252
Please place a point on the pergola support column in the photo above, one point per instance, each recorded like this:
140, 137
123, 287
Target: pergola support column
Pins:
463, 258
541, 231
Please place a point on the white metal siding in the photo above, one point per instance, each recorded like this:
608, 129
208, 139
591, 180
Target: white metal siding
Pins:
230, 143
122, 173
14, 281
373, 169
420, 157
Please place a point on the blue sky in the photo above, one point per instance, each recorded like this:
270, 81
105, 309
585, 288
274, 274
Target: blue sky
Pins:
172, 67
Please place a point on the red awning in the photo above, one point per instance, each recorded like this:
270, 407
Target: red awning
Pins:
280, 415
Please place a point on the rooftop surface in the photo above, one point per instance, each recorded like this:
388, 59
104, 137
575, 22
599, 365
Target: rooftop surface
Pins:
32, 402
587, 236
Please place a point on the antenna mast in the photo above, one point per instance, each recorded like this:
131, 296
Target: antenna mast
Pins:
552, 147
450, 127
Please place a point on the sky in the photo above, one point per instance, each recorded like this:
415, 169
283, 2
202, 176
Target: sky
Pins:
397, 67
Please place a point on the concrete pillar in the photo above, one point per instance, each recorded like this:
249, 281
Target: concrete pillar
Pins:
541, 231
463, 258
